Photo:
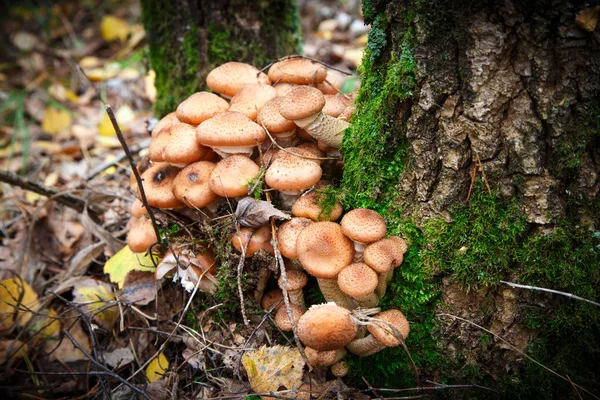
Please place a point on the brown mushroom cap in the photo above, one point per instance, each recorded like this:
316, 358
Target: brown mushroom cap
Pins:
199, 107
191, 185
141, 235
283, 88
231, 176
323, 250
270, 116
250, 99
357, 280
292, 173
142, 166
301, 71
182, 146
302, 102
158, 186
137, 208
227, 79
384, 255
282, 319
382, 331
339, 369
230, 129
335, 105
253, 240
296, 280
326, 327
309, 206
363, 225
287, 236
332, 83
318, 358
166, 120
271, 298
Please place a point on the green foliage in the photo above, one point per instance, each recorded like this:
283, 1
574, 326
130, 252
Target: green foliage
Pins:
328, 197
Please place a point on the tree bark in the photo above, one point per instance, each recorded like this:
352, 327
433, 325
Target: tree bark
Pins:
189, 38
516, 87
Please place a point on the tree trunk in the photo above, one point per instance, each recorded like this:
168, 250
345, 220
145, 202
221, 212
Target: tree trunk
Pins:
189, 38
514, 87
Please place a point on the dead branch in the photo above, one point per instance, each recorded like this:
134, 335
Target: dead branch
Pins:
570, 295
308, 58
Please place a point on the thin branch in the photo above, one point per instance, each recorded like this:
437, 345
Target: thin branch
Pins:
308, 58
472, 181
570, 295
65, 199
483, 174
100, 168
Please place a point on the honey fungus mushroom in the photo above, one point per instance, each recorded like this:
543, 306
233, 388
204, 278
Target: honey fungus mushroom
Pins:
291, 175
230, 133
253, 240
388, 329
227, 79
158, 186
326, 327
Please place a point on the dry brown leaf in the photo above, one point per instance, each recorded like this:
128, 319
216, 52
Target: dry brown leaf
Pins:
274, 368
63, 349
118, 357
139, 287
256, 213
587, 19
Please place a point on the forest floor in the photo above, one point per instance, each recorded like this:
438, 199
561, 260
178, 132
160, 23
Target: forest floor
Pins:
72, 325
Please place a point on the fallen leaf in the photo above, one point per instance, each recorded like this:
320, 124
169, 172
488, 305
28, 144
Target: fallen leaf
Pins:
95, 295
157, 368
17, 301
48, 327
118, 357
139, 287
149, 85
61, 93
124, 261
11, 351
193, 357
256, 213
63, 349
56, 120
113, 28
24, 41
274, 368
587, 19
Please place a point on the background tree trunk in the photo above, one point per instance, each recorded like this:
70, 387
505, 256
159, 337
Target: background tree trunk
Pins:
189, 38
515, 85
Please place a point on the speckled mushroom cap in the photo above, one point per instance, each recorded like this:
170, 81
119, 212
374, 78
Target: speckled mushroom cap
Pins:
318, 358
142, 166
199, 107
158, 186
363, 225
287, 235
323, 250
326, 327
137, 208
283, 88
231, 176
302, 102
191, 185
300, 71
384, 255
311, 149
296, 280
270, 116
340, 369
159, 142
335, 105
282, 319
227, 79
400, 243
250, 99
357, 280
382, 331
230, 129
253, 240
141, 235
182, 146
332, 83
166, 120
292, 173
270, 298
347, 113
308, 206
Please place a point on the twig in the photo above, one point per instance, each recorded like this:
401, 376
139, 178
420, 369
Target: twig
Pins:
66, 199
240, 268
472, 181
514, 348
99, 168
570, 295
483, 173
429, 388
308, 58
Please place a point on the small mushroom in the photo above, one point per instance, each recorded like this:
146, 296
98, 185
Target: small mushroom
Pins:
158, 186
199, 107
340, 369
296, 280
231, 176
253, 240
191, 185
389, 329
282, 319
363, 226
383, 256
141, 235
298, 70
230, 133
326, 327
227, 79
359, 282
318, 358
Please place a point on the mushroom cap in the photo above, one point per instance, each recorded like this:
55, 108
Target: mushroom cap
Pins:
141, 235
230, 129
166, 120
400, 243
282, 319
250, 99
270, 298
302, 102
383, 255
326, 327
363, 225
323, 250
137, 208
270, 116
340, 369
382, 331
347, 113
231, 176
296, 280
300, 71
253, 240
318, 358
289, 172
158, 186
357, 280
308, 206
142, 166
283, 88
227, 79
332, 83
310, 149
191, 185
199, 107
159, 142
287, 236
182, 146
335, 105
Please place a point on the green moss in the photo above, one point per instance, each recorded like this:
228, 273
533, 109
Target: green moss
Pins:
328, 198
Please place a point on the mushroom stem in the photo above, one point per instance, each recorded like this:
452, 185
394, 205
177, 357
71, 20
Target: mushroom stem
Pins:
327, 129
365, 347
332, 293
382, 280
369, 301
297, 298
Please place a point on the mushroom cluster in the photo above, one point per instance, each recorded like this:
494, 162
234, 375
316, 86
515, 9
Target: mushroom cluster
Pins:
277, 127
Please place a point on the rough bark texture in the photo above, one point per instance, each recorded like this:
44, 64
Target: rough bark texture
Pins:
187, 38
516, 85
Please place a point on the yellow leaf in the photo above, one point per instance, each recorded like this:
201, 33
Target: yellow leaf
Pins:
48, 327
124, 261
149, 85
55, 120
17, 301
157, 368
274, 368
124, 115
113, 28
105, 127
96, 295
90, 62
